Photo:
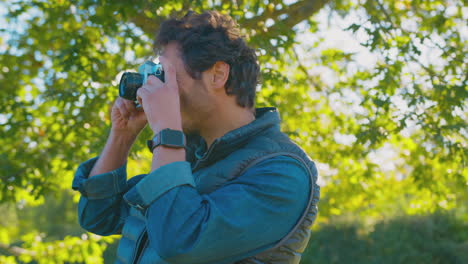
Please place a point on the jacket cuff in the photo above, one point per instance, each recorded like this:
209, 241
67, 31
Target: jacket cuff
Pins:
99, 186
155, 184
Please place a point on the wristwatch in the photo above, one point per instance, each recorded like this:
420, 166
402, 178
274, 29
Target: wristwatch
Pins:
167, 137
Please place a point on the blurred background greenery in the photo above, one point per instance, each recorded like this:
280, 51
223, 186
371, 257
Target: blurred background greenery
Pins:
375, 91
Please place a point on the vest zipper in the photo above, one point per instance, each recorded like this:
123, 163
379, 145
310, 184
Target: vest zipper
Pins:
206, 155
140, 246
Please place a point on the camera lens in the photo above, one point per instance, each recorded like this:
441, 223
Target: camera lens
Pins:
129, 84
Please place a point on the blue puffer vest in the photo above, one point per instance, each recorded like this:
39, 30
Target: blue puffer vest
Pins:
227, 158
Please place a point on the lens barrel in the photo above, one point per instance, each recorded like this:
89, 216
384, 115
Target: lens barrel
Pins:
129, 84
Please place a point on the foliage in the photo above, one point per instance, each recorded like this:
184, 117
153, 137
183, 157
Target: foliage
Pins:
59, 240
436, 238
388, 137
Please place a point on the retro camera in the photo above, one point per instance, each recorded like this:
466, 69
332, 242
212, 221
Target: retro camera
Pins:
132, 81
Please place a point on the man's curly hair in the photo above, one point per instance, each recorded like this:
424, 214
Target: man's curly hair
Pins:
209, 37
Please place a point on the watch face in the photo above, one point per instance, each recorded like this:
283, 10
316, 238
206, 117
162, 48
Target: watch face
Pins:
172, 138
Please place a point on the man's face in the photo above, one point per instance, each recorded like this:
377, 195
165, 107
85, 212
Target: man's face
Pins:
195, 99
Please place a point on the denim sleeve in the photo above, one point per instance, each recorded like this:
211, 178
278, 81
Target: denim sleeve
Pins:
158, 182
245, 216
101, 209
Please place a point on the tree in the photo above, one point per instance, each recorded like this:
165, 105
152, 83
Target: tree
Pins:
61, 61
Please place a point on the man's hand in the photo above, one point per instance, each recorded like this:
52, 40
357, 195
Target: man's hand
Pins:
126, 119
161, 101
127, 122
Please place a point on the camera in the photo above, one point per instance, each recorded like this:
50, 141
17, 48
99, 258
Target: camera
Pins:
131, 81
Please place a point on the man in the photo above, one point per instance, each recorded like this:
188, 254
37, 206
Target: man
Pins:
236, 191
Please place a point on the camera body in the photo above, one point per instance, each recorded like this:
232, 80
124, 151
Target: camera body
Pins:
130, 82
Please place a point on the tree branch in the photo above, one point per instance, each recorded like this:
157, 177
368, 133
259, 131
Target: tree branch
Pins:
296, 12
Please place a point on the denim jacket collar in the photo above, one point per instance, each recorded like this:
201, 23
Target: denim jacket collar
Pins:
265, 118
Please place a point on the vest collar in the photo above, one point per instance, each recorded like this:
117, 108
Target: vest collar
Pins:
265, 118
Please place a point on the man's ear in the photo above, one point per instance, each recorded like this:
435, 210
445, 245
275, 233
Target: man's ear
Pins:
220, 74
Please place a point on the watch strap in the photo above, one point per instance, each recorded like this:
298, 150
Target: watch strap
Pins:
168, 138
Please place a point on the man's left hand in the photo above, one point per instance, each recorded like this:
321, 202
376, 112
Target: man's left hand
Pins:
160, 100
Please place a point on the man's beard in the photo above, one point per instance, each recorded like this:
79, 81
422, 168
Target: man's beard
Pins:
189, 125
194, 111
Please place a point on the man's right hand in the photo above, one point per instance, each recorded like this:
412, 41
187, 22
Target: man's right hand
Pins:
127, 120
127, 123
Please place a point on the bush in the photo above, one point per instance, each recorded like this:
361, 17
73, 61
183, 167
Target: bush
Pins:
439, 238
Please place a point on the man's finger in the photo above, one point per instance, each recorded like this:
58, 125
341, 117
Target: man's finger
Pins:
141, 93
130, 105
153, 80
140, 101
169, 72
123, 109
